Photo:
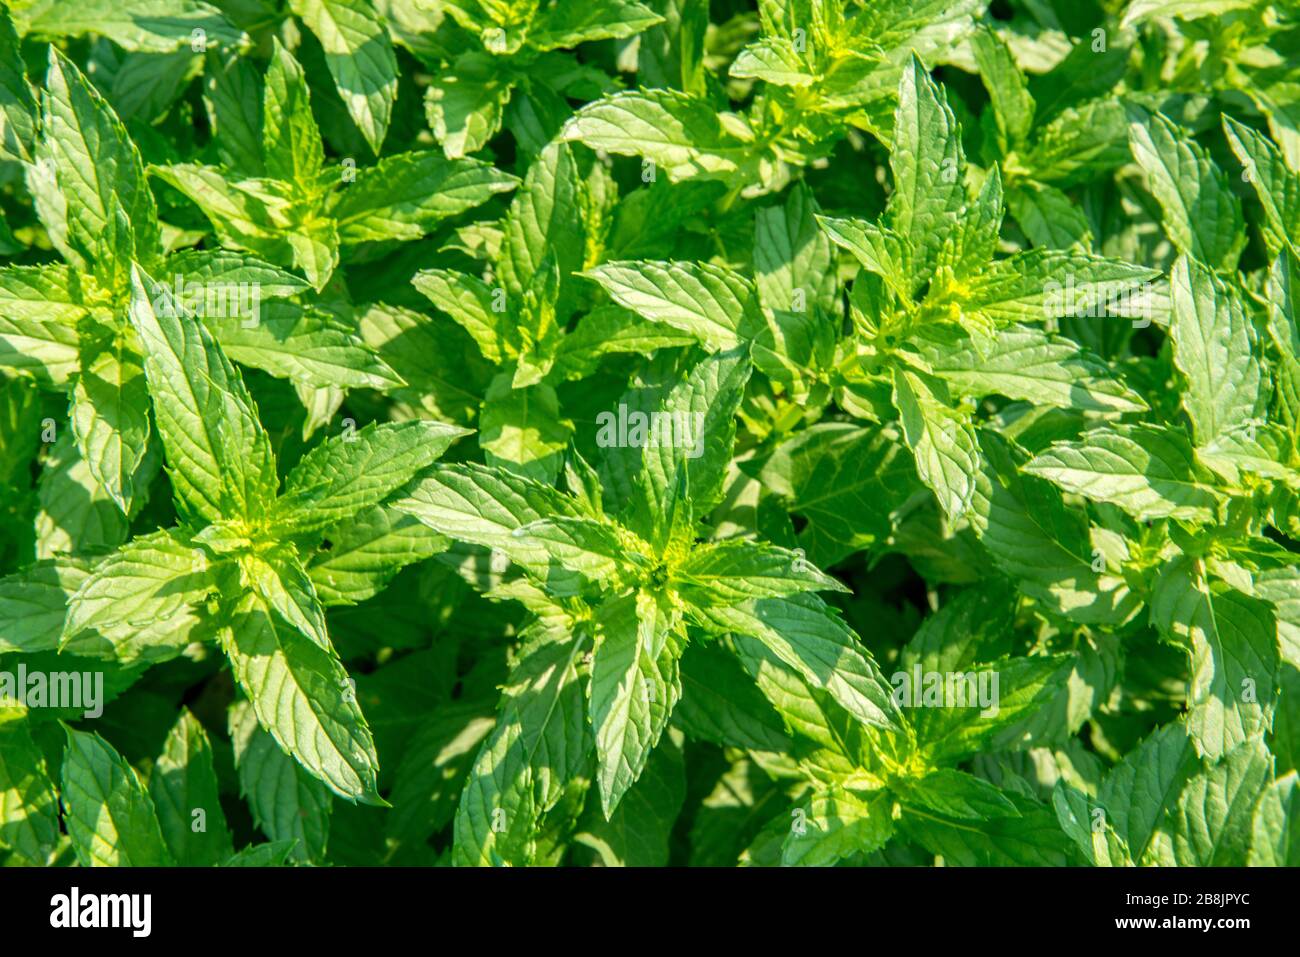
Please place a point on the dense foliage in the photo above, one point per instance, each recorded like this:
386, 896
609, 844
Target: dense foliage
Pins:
650, 431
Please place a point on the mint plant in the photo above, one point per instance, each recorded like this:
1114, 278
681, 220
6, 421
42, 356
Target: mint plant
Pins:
649, 433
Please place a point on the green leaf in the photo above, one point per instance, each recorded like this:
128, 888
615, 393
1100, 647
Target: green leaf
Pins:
955, 794
279, 579
1232, 642
408, 195
639, 832
305, 345
1144, 787
829, 743
541, 743
731, 816
700, 414
1034, 839
1005, 704
443, 374
218, 453
713, 304
846, 481
100, 173
432, 775
838, 824
315, 250
1140, 10
301, 695
1148, 471
29, 807
251, 214
1044, 284
17, 102
521, 429
75, 516
720, 702
288, 804
466, 102
1211, 825
773, 60
360, 57
880, 251
1009, 94
1275, 831
682, 135
108, 812
1080, 142
1201, 213
635, 684
34, 603
486, 506
1049, 217
1092, 835
732, 571
1276, 185
354, 471
291, 143
940, 437
1283, 331
366, 551
671, 54
1040, 542
928, 167
271, 854
146, 26
1025, 363
567, 25
972, 245
546, 218
1215, 348
474, 305
220, 271
808, 637
595, 550
232, 95
184, 789
110, 418
607, 330
39, 309
792, 256
142, 602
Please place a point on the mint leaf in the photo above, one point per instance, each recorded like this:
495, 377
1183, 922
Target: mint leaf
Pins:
29, 807
360, 58
634, 685
941, 439
838, 824
100, 173
715, 306
540, 742
301, 695
1147, 471
682, 135
1201, 214
349, 473
927, 163
801, 632
217, 449
1215, 347
184, 789
288, 804
109, 814
1232, 640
